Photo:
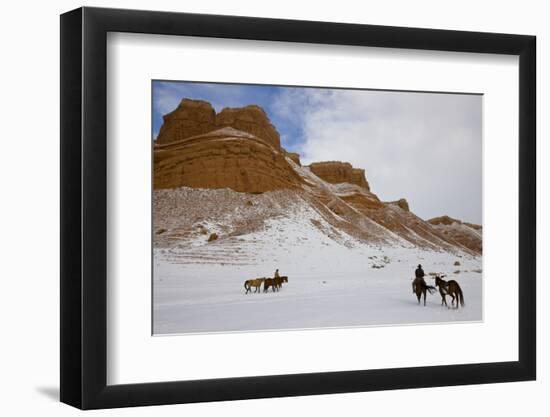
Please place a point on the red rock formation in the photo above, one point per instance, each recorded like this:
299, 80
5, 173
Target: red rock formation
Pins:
402, 203
239, 149
446, 220
196, 117
251, 119
190, 118
337, 172
443, 220
295, 157
224, 158
466, 234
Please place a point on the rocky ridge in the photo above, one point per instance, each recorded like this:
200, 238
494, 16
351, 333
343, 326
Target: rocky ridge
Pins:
239, 150
337, 172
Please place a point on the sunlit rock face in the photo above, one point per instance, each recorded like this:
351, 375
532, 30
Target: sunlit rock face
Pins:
337, 172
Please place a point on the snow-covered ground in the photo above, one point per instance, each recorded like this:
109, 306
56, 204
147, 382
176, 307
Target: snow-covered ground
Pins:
334, 280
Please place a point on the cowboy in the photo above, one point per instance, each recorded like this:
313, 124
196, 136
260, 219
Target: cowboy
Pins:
276, 274
419, 277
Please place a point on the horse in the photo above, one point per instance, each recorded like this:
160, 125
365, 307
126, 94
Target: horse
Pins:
279, 281
420, 288
449, 288
271, 282
256, 283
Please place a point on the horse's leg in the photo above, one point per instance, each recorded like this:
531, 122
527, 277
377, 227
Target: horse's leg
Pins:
425, 298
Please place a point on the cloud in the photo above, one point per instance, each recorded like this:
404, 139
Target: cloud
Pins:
424, 147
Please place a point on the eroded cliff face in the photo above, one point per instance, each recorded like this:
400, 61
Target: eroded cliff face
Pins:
196, 117
447, 220
223, 158
251, 119
337, 172
237, 148
295, 157
401, 203
467, 234
190, 118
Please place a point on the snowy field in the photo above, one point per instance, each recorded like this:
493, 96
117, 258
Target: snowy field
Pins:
198, 286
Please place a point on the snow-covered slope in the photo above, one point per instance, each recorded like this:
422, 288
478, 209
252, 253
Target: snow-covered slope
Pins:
336, 278
248, 208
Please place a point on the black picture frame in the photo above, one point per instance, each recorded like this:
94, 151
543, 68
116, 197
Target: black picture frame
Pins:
84, 207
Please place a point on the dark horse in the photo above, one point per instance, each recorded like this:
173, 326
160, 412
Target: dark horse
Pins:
420, 287
274, 283
449, 288
271, 282
280, 280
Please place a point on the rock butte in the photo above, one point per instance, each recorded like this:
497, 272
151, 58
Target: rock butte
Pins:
402, 203
467, 234
223, 158
446, 220
239, 149
337, 172
196, 117
295, 157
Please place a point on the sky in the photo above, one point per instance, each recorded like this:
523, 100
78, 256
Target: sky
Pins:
425, 147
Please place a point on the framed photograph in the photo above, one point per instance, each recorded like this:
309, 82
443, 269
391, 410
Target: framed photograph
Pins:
257, 208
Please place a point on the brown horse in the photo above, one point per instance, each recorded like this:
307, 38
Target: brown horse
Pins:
271, 282
449, 288
256, 283
420, 288
278, 281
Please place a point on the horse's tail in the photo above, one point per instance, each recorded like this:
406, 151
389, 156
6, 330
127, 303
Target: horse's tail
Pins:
246, 286
431, 289
460, 295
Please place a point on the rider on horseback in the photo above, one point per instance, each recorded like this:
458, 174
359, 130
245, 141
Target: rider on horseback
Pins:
419, 277
419, 286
